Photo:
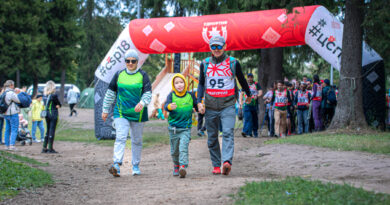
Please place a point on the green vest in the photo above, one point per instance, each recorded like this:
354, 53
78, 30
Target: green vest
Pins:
181, 117
128, 96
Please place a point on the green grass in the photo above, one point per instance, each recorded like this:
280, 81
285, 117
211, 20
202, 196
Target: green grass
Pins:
374, 143
22, 159
295, 190
15, 176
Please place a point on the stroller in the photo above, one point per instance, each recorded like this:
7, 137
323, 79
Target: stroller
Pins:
24, 135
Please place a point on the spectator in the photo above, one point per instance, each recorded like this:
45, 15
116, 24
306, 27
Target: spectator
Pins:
26, 110
316, 103
36, 109
11, 115
72, 99
1, 123
269, 111
328, 103
52, 105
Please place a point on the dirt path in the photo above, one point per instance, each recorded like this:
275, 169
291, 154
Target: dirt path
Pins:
80, 172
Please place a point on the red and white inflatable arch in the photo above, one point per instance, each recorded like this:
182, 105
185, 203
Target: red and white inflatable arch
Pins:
311, 25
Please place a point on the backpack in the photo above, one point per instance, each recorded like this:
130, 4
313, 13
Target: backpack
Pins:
25, 100
3, 105
331, 97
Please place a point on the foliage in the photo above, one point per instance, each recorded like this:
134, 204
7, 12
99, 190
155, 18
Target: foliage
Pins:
373, 143
295, 190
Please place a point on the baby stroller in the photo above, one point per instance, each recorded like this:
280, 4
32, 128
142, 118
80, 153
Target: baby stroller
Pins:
24, 135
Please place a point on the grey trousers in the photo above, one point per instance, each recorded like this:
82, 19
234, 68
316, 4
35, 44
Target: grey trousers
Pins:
227, 117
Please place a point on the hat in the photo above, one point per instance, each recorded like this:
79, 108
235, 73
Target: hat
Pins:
217, 40
39, 95
326, 81
250, 75
131, 54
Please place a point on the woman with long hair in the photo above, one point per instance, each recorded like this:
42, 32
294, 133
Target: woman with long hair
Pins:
51, 107
316, 102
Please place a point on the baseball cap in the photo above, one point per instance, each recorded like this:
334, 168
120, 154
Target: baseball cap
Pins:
217, 40
250, 75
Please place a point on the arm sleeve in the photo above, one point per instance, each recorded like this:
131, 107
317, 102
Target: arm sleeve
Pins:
273, 98
15, 98
56, 101
195, 103
109, 98
289, 96
242, 80
168, 101
146, 97
201, 84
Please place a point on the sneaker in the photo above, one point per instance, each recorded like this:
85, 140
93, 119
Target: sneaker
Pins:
226, 167
12, 148
44, 150
52, 151
36, 141
255, 136
182, 171
136, 170
176, 170
243, 134
216, 170
115, 170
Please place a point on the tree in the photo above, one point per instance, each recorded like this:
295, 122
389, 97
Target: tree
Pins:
23, 41
64, 34
349, 111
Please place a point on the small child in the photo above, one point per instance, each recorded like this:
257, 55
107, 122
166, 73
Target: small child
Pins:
180, 104
36, 109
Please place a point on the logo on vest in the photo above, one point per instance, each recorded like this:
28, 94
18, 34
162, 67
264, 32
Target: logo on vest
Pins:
211, 29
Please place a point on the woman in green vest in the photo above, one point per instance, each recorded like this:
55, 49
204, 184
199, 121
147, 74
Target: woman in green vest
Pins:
132, 90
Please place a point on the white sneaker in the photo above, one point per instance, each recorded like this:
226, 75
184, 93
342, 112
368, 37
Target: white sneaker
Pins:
12, 148
36, 141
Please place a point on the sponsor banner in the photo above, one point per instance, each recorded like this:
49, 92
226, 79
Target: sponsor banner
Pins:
114, 59
324, 34
247, 30
218, 93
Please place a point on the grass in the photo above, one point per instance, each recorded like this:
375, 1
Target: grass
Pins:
22, 159
15, 176
295, 190
378, 143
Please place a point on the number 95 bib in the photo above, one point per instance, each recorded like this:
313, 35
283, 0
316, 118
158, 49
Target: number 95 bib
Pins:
220, 79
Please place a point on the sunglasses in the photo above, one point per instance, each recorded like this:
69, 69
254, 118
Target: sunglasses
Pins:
132, 61
214, 47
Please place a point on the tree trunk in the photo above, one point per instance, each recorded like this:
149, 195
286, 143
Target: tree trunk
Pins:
35, 85
270, 69
17, 78
62, 89
349, 112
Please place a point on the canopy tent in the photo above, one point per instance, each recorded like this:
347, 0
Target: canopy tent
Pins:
87, 98
311, 25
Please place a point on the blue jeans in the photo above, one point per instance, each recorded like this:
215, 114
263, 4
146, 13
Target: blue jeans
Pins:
41, 129
227, 117
251, 120
11, 129
303, 121
1, 129
122, 127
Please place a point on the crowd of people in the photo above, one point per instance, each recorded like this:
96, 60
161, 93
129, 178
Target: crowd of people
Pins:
15, 106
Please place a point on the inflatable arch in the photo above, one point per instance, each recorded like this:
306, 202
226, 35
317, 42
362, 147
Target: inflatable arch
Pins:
311, 25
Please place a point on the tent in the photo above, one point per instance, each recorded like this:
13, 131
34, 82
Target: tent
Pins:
87, 98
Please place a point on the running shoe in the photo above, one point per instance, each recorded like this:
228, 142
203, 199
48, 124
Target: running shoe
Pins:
176, 170
182, 171
226, 167
115, 170
136, 170
216, 170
